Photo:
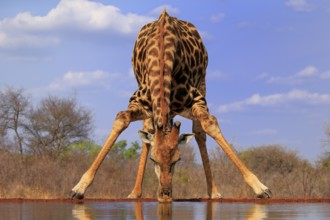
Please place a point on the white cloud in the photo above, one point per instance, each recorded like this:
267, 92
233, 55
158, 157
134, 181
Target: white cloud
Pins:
169, 9
23, 58
307, 71
325, 75
301, 96
263, 76
299, 5
245, 24
27, 30
205, 35
77, 79
300, 77
216, 74
217, 18
9, 41
116, 84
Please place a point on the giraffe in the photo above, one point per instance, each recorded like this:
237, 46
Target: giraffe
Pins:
169, 62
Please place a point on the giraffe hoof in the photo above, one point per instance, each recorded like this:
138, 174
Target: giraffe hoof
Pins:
74, 195
267, 193
216, 196
133, 196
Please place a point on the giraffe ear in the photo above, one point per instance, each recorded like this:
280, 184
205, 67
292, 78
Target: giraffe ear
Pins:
146, 137
185, 138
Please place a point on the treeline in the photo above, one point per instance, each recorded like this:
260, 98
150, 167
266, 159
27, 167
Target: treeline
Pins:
47, 128
46, 147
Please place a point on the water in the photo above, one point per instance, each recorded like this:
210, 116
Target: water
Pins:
153, 210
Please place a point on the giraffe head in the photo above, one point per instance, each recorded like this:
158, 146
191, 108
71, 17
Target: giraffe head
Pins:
165, 153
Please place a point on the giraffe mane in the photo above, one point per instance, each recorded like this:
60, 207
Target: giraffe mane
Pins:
161, 38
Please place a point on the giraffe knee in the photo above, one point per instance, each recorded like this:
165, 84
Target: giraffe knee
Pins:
212, 120
210, 125
123, 119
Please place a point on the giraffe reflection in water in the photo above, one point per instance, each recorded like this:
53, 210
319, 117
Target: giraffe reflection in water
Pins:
164, 211
167, 211
82, 212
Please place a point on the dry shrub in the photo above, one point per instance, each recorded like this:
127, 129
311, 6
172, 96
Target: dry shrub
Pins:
45, 177
189, 178
33, 177
227, 177
287, 175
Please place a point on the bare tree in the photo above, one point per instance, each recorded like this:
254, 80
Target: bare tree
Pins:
4, 142
55, 124
14, 105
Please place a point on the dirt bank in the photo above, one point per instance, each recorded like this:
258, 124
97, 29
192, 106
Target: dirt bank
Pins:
224, 200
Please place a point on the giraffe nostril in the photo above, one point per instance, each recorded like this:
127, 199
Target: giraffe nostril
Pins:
166, 193
159, 125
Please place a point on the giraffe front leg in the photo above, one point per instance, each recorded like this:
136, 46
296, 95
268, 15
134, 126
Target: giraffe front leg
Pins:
201, 141
137, 190
211, 127
122, 121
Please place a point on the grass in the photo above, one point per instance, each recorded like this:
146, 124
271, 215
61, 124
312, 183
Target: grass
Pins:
42, 177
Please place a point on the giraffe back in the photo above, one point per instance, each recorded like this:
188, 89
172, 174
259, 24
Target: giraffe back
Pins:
169, 62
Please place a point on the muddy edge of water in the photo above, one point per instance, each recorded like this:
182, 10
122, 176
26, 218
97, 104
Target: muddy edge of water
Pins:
223, 200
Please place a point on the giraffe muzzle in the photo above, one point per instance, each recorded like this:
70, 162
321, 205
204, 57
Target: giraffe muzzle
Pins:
165, 195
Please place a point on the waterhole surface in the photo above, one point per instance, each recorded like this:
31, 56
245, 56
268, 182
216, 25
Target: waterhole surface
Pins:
153, 210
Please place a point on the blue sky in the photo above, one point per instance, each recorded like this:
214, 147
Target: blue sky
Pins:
267, 80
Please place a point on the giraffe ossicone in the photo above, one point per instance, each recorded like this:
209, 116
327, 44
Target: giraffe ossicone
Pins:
169, 62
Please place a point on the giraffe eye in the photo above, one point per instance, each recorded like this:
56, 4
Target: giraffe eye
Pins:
153, 160
174, 162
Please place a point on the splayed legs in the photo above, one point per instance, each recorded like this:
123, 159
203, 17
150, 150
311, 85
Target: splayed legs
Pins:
210, 125
201, 141
122, 121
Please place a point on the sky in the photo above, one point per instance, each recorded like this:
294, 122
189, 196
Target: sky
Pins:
267, 80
